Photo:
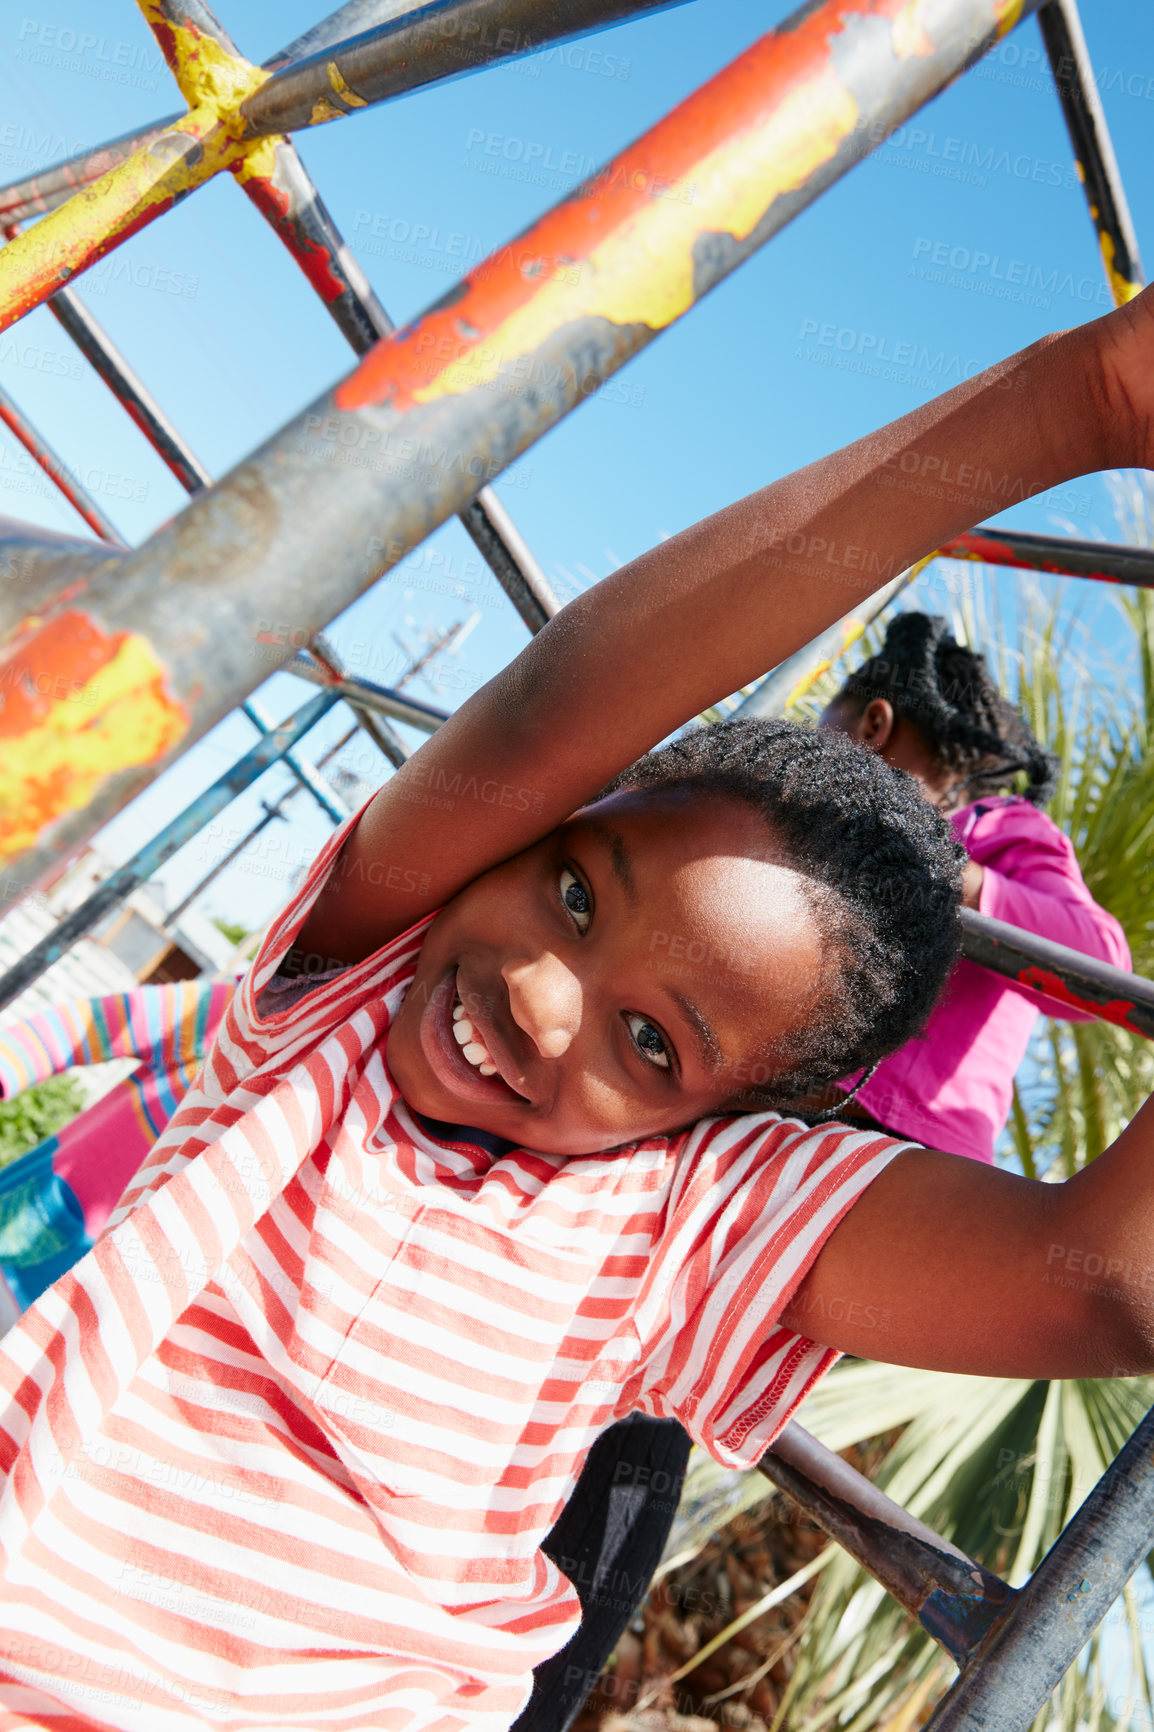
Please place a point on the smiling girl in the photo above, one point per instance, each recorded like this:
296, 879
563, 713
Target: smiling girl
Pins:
478, 1167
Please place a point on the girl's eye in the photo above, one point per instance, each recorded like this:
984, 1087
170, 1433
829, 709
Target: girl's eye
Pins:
576, 899
650, 1041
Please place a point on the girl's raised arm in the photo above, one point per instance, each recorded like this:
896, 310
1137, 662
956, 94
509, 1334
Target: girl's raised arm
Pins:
712, 609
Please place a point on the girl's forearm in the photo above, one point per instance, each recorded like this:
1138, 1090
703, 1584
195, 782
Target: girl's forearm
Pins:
759, 579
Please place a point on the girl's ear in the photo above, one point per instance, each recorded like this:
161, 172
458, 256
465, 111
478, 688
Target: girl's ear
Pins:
876, 724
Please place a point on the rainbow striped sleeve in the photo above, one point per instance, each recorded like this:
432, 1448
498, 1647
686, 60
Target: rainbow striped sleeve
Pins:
165, 1026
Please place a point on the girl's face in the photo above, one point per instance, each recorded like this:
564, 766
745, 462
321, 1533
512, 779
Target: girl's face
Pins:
623, 977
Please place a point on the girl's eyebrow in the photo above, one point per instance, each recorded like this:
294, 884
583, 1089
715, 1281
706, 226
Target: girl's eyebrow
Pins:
619, 856
711, 1054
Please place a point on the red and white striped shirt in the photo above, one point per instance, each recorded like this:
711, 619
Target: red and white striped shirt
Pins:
281, 1450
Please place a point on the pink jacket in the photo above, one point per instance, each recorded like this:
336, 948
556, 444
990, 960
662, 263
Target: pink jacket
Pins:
951, 1087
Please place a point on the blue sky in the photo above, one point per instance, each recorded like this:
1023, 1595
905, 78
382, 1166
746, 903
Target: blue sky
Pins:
789, 358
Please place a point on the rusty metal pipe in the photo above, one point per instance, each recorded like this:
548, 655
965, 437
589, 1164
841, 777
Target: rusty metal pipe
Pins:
115, 889
36, 194
952, 1597
430, 415
106, 360
381, 700
1031, 1646
1093, 151
40, 568
1081, 982
57, 471
1101, 561
440, 40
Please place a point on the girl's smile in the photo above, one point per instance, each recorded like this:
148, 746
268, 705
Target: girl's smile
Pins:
640, 966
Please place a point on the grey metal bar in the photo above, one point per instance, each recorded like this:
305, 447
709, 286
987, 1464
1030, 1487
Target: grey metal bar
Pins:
57, 471
304, 772
1097, 165
954, 1599
1082, 982
271, 813
1038, 1637
382, 700
440, 40
105, 358
1101, 561
385, 738
163, 846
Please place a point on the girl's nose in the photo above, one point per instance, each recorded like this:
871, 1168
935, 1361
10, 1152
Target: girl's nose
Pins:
545, 999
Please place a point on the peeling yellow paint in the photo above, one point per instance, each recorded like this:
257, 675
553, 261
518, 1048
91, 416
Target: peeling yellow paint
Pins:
322, 110
120, 718
642, 273
346, 95
208, 75
259, 159
1121, 287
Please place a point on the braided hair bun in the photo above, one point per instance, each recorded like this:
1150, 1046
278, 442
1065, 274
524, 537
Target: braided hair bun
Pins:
947, 693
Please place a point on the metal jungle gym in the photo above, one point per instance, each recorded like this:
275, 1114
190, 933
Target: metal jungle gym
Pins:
159, 636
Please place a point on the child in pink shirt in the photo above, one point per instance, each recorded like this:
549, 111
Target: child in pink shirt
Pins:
929, 706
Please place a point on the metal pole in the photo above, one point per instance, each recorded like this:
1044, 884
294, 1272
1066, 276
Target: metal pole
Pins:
1049, 1621
339, 495
43, 191
270, 813
1094, 153
57, 471
1082, 982
38, 566
382, 700
385, 738
105, 358
210, 137
290, 203
1102, 561
163, 846
305, 773
956, 1600
440, 40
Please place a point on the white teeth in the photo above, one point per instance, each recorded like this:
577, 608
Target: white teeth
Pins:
466, 1038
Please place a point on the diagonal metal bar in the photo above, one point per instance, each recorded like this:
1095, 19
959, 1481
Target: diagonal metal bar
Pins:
1081, 982
372, 467
381, 700
40, 568
38, 193
57, 471
268, 750
306, 774
1035, 1641
202, 143
106, 360
1102, 561
271, 814
289, 201
384, 737
440, 40
1093, 151
954, 1599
